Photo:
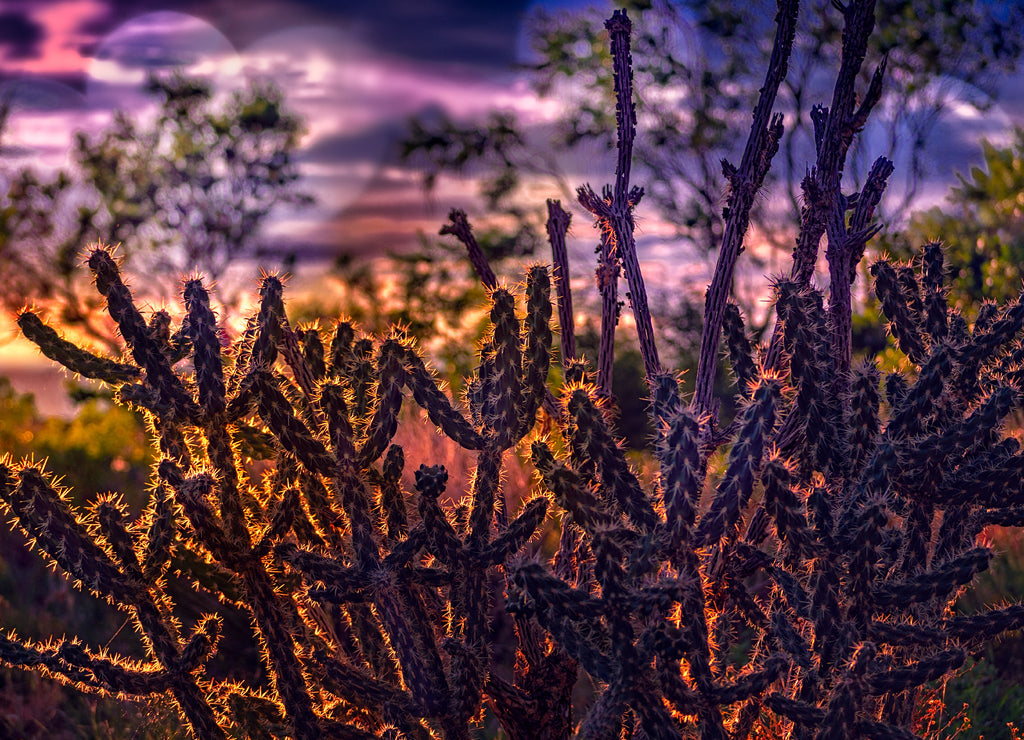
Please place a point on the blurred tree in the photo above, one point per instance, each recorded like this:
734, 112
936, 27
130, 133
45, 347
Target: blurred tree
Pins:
699, 63
189, 191
104, 447
981, 226
500, 156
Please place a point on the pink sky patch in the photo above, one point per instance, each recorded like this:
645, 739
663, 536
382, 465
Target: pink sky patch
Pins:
63, 41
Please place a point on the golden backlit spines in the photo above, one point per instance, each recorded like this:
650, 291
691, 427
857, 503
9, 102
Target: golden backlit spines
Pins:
280, 489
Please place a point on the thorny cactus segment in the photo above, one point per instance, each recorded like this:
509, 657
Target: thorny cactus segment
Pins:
160, 534
806, 340
741, 358
268, 323
145, 350
682, 475
341, 348
934, 282
202, 328
902, 325
326, 550
842, 525
591, 439
384, 422
863, 422
45, 516
786, 510
737, 484
438, 406
502, 386
571, 495
313, 352
392, 500
537, 347
70, 356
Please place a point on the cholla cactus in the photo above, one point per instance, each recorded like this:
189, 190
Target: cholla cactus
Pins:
833, 542
387, 622
841, 530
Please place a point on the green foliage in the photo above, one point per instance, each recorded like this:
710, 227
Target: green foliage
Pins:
191, 190
101, 448
989, 693
495, 151
981, 228
18, 419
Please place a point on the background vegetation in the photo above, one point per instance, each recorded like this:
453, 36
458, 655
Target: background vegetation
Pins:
146, 188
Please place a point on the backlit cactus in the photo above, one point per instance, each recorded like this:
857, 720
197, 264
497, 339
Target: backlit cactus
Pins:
828, 528
388, 579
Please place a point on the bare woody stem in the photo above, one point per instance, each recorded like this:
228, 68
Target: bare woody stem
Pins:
825, 208
762, 143
619, 27
461, 230
614, 211
558, 225
845, 248
608, 270
844, 121
834, 129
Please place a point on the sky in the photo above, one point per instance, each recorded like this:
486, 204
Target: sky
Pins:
356, 72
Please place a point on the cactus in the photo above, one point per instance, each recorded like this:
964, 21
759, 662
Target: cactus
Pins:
843, 525
307, 551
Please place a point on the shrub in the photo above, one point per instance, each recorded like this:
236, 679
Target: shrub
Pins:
806, 589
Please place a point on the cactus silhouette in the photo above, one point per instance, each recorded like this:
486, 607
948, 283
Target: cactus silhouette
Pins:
833, 542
